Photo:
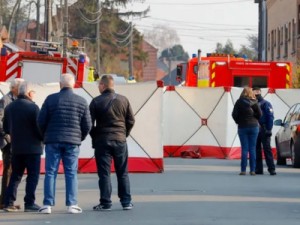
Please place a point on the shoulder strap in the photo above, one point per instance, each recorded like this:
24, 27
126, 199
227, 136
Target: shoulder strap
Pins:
110, 103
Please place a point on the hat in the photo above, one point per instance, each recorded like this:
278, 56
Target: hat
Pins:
256, 88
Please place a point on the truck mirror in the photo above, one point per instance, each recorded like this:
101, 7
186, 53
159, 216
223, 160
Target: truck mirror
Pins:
179, 70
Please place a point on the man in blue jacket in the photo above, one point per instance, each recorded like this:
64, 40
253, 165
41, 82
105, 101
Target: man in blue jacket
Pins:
64, 122
264, 136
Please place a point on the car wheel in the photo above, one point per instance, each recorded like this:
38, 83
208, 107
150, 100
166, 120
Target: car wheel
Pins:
281, 161
295, 156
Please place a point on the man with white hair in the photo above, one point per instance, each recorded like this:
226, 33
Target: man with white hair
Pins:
5, 138
26, 146
64, 122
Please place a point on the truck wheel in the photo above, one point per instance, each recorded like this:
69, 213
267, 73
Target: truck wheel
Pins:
295, 156
281, 161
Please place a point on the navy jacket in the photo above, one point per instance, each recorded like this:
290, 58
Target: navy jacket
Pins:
246, 113
64, 118
5, 100
113, 116
266, 121
20, 122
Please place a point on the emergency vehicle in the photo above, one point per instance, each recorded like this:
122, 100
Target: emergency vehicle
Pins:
217, 70
43, 64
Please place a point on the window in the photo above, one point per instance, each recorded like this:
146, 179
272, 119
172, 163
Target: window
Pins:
289, 32
278, 44
294, 36
261, 82
285, 40
272, 45
298, 19
242, 81
275, 38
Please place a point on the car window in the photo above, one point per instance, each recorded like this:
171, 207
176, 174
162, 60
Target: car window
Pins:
296, 113
289, 114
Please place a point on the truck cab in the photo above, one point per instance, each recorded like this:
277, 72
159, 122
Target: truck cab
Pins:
217, 70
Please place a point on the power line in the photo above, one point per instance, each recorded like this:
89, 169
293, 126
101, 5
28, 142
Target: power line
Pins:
204, 3
199, 23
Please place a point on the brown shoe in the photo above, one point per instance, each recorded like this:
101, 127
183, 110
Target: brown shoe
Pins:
252, 173
11, 208
242, 173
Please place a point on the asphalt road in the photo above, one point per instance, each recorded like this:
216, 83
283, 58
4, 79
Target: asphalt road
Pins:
189, 192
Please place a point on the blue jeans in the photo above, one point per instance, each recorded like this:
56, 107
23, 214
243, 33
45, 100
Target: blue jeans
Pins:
68, 153
105, 151
248, 137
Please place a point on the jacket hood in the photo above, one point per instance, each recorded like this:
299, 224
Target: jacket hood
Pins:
248, 101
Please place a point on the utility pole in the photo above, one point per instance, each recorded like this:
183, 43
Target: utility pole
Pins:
65, 37
262, 30
38, 5
98, 39
1, 12
130, 51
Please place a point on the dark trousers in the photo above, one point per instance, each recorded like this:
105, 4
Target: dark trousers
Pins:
264, 142
31, 163
105, 151
6, 159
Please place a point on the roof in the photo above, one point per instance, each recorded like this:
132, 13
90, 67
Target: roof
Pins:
12, 47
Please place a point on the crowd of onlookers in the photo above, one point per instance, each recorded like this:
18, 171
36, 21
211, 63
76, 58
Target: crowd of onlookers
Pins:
59, 127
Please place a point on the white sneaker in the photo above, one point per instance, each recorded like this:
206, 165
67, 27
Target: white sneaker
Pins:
74, 209
46, 209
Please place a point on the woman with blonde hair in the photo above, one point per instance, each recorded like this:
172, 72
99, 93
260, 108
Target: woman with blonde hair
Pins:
246, 113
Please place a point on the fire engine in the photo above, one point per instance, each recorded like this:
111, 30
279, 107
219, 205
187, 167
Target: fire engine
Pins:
43, 64
217, 70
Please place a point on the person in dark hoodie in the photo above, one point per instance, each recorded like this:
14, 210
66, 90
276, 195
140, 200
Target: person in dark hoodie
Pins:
264, 135
246, 113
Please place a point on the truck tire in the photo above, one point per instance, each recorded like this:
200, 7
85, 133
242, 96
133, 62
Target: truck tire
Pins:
281, 161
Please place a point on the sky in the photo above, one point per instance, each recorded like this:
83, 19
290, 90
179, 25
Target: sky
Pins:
201, 24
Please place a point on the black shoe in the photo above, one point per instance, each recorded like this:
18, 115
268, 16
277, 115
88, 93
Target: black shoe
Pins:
31, 208
259, 172
102, 207
273, 173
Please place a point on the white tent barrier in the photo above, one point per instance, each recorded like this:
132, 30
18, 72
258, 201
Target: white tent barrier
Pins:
170, 120
201, 118
145, 142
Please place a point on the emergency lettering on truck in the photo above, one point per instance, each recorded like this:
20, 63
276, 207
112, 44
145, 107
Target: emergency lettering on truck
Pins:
216, 70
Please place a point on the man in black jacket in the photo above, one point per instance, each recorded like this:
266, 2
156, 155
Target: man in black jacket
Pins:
5, 138
64, 122
114, 120
26, 143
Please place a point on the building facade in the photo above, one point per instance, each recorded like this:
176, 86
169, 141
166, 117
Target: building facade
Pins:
283, 30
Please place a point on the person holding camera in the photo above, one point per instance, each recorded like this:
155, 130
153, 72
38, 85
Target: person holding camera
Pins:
264, 136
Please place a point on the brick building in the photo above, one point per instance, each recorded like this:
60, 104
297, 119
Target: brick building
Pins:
283, 43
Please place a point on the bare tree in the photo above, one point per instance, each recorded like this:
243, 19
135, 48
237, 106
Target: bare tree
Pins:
162, 37
13, 14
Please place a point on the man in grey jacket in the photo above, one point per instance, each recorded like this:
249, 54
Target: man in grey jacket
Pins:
5, 139
64, 122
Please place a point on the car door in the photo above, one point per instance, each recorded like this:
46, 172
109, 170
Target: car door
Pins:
284, 133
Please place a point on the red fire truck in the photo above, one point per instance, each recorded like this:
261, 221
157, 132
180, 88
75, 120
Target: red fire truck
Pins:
217, 70
43, 64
